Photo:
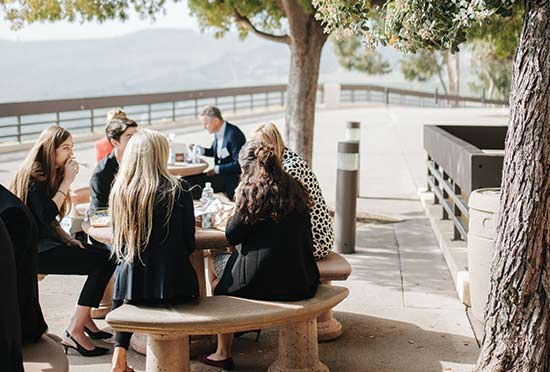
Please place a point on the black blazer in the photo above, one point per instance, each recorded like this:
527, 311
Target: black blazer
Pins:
233, 140
102, 181
274, 261
44, 211
11, 355
165, 272
23, 236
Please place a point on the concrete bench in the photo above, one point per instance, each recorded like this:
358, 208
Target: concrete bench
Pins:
168, 328
332, 267
46, 355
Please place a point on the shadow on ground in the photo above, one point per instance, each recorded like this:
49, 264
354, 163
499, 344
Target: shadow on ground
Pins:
369, 344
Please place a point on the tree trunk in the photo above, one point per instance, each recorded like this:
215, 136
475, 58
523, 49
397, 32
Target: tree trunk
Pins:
517, 329
306, 45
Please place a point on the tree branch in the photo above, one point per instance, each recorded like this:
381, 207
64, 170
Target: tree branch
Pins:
239, 18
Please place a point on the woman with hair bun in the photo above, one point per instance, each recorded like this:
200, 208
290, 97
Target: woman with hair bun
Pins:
271, 231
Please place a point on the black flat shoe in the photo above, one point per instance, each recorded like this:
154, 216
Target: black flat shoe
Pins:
226, 364
96, 351
257, 331
99, 335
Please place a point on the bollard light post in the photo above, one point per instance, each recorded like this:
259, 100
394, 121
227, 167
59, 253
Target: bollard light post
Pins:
353, 134
346, 196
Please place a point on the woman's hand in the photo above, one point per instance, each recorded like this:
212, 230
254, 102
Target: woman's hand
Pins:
71, 170
76, 243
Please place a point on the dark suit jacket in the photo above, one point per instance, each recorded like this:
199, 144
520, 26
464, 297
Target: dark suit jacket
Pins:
274, 260
233, 140
23, 237
102, 181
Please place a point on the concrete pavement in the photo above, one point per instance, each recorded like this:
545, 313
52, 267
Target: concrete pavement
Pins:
403, 313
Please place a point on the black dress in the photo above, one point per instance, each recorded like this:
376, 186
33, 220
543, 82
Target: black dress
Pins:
23, 235
274, 260
102, 181
56, 257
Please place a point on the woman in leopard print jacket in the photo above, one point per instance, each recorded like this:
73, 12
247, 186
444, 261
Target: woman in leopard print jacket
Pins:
293, 164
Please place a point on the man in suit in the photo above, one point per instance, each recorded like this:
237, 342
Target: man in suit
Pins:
228, 140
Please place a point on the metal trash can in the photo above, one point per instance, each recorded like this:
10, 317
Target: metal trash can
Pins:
484, 205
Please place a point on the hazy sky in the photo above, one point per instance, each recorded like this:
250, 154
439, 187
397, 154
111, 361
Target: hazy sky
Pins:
177, 16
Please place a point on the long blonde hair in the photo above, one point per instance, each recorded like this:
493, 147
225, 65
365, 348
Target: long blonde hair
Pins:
143, 172
268, 133
39, 165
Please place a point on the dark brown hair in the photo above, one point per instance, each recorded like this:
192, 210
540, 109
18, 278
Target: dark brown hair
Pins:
117, 123
266, 191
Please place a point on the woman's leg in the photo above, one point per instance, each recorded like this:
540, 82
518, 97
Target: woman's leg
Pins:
223, 350
122, 342
92, 261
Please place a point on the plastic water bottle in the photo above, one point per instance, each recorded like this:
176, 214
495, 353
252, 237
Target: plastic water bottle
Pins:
171, 154
207, 193
196, 156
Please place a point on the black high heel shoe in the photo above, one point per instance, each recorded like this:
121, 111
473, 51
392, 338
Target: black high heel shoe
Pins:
99, 335
257, 331
96, 351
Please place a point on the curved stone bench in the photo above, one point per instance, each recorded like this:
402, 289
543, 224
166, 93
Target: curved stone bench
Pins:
46, 355
332, 267
168, 328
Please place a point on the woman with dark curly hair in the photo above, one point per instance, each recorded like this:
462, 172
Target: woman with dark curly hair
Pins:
271, 231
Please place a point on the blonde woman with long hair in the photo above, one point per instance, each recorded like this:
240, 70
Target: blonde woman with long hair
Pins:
297, 167
42, 183
153, 232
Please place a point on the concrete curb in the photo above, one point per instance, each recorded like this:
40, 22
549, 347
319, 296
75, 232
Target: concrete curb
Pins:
454, 252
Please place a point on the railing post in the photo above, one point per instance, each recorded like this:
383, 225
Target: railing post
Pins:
266, 100
173, 111
436, 183
19, 128
252, 102
216, 101
483, 97
436, 97
445, 215
234, 104
282, 97
429, 186
92, 120
196, 108
352, 96
387, 95
457, 212
346, 196
149, 114
57, 118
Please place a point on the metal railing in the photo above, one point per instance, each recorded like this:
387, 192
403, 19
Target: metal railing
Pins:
448, 193
356, 93
22, 121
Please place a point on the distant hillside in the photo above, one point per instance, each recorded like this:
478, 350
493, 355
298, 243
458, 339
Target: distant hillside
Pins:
154, 61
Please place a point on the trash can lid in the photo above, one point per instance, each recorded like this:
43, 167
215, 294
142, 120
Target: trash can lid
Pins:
485, 199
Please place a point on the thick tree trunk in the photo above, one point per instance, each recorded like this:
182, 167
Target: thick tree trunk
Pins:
306, 45
517, 325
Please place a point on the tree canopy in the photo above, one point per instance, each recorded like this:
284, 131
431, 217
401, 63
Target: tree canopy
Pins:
412, 25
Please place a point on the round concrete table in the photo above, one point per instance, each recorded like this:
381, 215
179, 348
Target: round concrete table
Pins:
186, 169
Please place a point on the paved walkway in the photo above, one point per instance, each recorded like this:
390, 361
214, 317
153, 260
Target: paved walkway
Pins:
403, 313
